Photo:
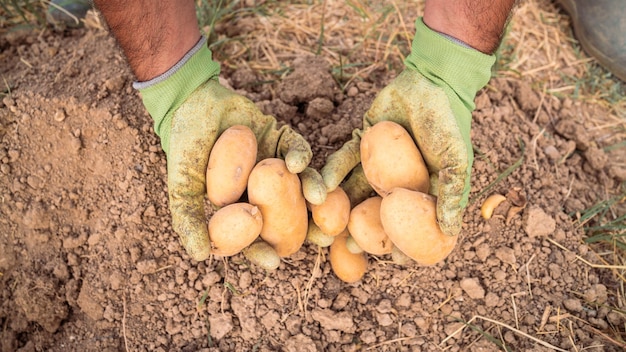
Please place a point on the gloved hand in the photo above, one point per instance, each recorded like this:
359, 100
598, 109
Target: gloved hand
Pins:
432, 99
190, 110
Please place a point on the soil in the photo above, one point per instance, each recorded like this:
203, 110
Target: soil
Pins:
89, 261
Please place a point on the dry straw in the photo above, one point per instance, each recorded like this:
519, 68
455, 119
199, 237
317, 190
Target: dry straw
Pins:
356, 37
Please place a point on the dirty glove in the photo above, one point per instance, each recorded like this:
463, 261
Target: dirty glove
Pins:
190, 110
432, 99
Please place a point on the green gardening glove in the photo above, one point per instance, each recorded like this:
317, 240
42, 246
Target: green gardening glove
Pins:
190, 110
433, 99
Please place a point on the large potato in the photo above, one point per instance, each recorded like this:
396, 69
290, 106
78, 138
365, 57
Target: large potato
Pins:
410, 220
278, 194
231, 160
233, 228
367, 229
332, 215
391, 159
347, 266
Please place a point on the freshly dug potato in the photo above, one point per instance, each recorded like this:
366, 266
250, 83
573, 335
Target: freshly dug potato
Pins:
347, 266
410, 220
352, 246
316, 236
262, 254
231, 160
233, 228
367, 229
490, 204
391, 159
399, 258
278, 194
332, 215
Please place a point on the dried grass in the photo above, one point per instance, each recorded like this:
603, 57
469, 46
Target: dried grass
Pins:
356, 37
540, 47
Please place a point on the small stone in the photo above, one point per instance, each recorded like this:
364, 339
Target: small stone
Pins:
552, 152
220, 325
506, 255
384, 319
483, 251
491, 299
114, 84
596, 158
88, 303
146, 267
13, 155
538, 223
116, 280
75, 144
330, 320
596, 294
573, 305
319, 108
353, 91
473, 288
33, 181
384, 306
60, 115
300, 343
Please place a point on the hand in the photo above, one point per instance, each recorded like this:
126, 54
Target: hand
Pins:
190, 131
196, 125
433, 100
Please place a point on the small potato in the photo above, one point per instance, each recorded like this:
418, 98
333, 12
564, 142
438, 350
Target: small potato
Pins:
262, 254
490, 204
391, 159
233, 228
231, 160
347, 266
410, 220
316, 236
367, 229
278, 194
332, 215
399, 258
352, 246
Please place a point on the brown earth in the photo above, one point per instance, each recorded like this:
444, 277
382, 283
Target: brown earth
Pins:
89, 262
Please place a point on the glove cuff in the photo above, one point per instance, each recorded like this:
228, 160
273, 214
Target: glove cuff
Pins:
165, 93
449, 64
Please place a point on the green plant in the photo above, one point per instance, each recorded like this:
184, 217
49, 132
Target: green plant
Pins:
605, 222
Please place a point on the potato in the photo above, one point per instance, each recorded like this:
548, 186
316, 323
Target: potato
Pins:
231, 160
490, 204
391, 159
233, 228
333, 214
399, 258
410, 220
316, 236
347, 266
367, 229
352, 246
262, 254
278, 194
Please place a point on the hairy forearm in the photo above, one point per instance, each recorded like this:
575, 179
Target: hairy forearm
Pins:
154, 35
478, 23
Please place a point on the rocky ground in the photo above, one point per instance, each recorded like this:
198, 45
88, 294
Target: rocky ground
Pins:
89, 261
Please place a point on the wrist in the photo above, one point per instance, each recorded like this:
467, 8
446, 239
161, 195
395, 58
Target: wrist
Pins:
457, 68
164, 94
477, 23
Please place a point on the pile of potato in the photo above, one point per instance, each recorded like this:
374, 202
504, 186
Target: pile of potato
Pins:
400, 219
273, 222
